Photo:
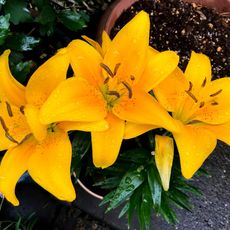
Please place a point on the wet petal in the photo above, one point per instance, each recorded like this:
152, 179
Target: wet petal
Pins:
159, 67
198, 69
194, 144
133, 129
73, 100
150, 112
164, 151
93, 43
217, 109
106, 42
84, 126
129, 47
85, 61
49, 165
106, 145
13, 90
13, 165
32, 116
46, 78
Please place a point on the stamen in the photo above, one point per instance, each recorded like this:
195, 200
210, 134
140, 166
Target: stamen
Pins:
114, 93
10, 138
9, 110
116, 68
106, 80
22, 109
107, 69
204, 82
216, 93
192, 96
3, 124
127, 86
214, 103
190, 86
132, 77
26, 138
202, 104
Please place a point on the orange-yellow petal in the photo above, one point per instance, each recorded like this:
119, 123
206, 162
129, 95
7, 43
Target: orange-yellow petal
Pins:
46, 78
13, 165
159, 66
49, 165
84, 126
194, 144
198, 69
142, 108
85, 61
106, 42
164, 151
73, 100
106, 144
93, 43
32, 116
133, 129
13, 90
129, 48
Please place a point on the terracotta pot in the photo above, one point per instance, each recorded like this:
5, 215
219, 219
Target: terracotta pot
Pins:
115, 10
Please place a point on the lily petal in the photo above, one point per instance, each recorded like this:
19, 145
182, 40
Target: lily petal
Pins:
73, 100
13, 90
129, 48
164, 151
217, 110
194, 144
93, 43
46, 78
81, 54
150, 112
13, 165
84, 126
198, 69
159, 67
106, 42
133, 129
49, 165
106, 144
32, 115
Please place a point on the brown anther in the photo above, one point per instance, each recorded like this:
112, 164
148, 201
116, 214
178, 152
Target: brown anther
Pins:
192, 96
106, 80
132, 77
202, 104
190, 86
127, 86
3, 124
10, 138
9, 110
116, 68
107, 69
216, 93
204, 82
22, 109
214, 103
26, 138
114, 93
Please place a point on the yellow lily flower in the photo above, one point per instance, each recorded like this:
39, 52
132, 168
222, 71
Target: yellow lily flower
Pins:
44, 150
202, 108
116, 77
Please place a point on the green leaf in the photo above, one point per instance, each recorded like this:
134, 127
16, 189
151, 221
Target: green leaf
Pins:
2, 2
137, 155
108, 183
4, 28
124, 210
18, 11
155, 186
107, 198
129, 183
73, 20
21, 42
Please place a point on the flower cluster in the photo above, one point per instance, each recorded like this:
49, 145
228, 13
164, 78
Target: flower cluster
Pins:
118, 91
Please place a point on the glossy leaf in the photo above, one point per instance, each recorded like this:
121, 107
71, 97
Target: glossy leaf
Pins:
141, 155
4, 27
108, 183
124, 210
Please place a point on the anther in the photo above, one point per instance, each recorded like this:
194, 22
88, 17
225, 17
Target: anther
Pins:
192, 96
132, 77
190, 86
216, 93
116, 68
214, 103
107, 69
9, 110
3, 124
127, 86
106, 80
114, 93
204, 82
202, 104
10, 138
22, 109
26, 138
